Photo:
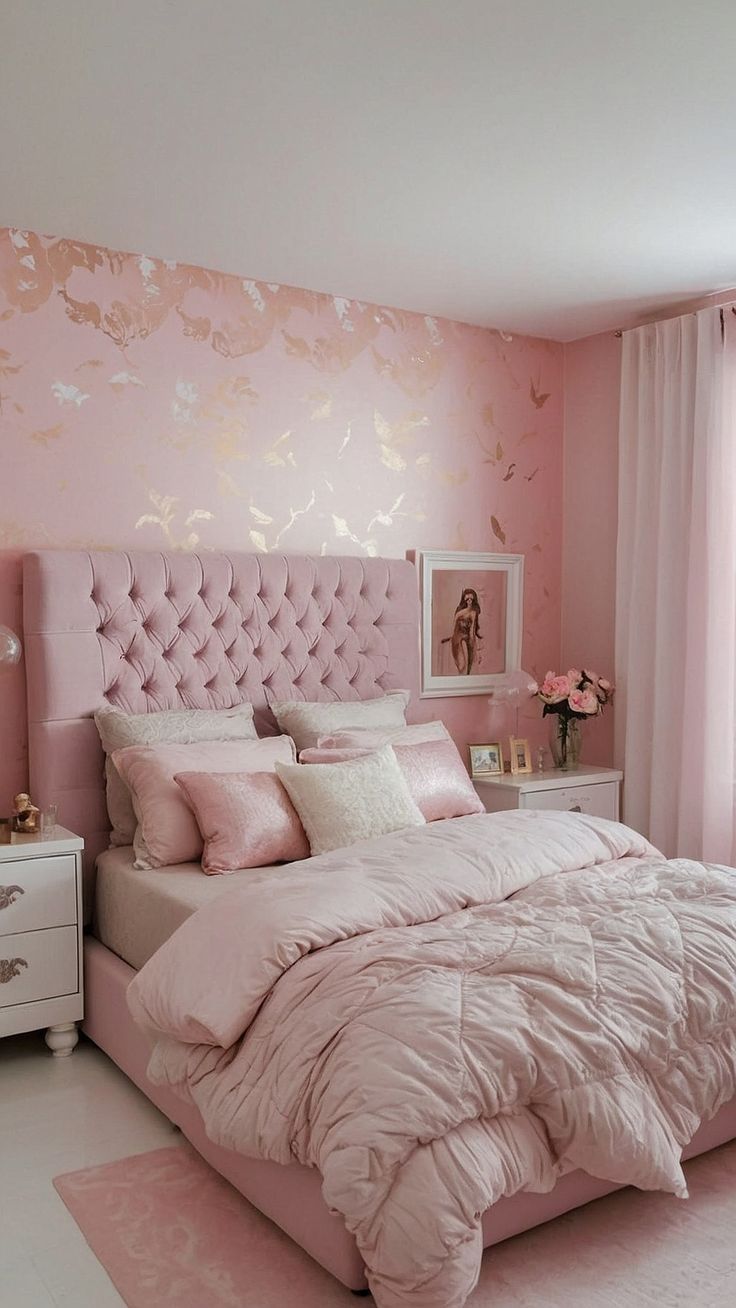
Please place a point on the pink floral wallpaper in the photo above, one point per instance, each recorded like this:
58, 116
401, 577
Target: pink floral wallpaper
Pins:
149, 404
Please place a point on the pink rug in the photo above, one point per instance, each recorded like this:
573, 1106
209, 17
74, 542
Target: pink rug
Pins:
169, 1231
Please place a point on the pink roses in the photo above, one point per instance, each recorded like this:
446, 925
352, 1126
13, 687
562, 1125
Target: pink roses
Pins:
555, 688
575, 694
584, 701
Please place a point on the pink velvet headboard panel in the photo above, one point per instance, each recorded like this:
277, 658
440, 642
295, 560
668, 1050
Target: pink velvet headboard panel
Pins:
152, 631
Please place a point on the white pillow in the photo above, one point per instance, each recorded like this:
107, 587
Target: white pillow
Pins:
305, 721
374, 737
172, 727
340, 803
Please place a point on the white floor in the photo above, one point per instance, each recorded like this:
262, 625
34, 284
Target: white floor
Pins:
58, 1115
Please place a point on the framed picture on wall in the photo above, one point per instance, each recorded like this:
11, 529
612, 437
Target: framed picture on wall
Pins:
486, 760
471, 620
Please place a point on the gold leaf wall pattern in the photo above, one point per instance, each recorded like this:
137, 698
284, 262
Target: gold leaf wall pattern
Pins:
350, 427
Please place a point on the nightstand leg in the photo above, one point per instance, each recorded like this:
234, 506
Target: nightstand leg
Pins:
62, 1039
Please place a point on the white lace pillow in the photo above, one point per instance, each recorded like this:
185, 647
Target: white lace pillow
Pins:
173, 727
305, 720
373, 737
341, 803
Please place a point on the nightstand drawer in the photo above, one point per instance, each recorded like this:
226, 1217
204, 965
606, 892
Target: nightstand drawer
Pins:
38, 965
597, 801
36, 893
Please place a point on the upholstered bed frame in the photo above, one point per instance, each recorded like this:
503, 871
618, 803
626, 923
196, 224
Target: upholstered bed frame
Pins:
147, 632
152, 631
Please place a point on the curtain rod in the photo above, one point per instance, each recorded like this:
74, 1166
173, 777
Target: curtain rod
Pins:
727, 304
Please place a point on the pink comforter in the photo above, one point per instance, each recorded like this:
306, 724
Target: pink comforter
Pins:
387, 1014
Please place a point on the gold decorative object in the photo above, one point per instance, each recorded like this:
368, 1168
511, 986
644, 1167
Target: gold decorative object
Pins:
26, 817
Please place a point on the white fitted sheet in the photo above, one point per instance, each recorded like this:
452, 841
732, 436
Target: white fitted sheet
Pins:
135, 912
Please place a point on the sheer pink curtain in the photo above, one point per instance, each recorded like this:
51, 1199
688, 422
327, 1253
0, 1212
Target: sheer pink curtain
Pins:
676, 584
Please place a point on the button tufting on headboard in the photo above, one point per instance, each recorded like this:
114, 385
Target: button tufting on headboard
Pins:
152, 631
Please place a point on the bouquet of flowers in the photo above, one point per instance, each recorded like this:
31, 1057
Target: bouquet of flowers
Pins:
573, 697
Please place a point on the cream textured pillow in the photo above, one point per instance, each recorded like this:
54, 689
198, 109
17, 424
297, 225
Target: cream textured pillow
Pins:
305, 720
437, 778
340, 803
173, 727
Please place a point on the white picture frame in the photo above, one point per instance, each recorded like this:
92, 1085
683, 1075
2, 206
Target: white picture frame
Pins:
446, 575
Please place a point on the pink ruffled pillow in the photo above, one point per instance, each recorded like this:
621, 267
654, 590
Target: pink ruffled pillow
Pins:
434, 772
246, 819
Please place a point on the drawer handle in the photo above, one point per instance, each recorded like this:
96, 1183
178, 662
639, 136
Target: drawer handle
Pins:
9, 894
9, 968
575, 809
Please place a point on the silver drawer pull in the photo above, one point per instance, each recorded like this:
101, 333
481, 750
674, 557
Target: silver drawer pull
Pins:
9, 894
9, 968
575, 809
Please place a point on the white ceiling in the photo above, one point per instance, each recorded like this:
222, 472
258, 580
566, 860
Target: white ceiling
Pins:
556, 167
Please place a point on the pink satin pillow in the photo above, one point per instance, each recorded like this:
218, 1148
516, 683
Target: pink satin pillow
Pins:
435, 774
246, 819
375, 737
167, 831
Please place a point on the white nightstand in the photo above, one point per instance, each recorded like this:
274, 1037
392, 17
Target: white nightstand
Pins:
41, 937
587, 790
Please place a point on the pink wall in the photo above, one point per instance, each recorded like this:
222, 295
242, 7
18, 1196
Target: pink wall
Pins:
148, 404
590, 478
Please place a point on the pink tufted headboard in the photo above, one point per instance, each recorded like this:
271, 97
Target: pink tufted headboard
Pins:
150, 631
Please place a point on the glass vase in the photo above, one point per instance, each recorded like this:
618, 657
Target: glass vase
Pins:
565, 740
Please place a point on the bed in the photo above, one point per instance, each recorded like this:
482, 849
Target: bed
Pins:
135, 913
156, 631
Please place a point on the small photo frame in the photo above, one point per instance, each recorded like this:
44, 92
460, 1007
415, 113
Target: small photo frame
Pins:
486, 760
521, 758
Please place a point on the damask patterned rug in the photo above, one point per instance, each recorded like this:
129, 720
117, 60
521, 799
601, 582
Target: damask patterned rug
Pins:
171, 1233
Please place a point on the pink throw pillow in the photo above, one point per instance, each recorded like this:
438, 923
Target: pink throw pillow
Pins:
374, 737
438, 779
167, 831
434, 771
246, 819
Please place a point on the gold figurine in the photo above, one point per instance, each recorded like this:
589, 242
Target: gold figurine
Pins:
26, 817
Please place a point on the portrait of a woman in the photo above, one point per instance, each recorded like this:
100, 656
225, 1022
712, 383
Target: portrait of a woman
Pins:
466, 632
472, 607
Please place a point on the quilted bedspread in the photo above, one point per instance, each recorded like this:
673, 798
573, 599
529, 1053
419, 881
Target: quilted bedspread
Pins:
449, 1014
